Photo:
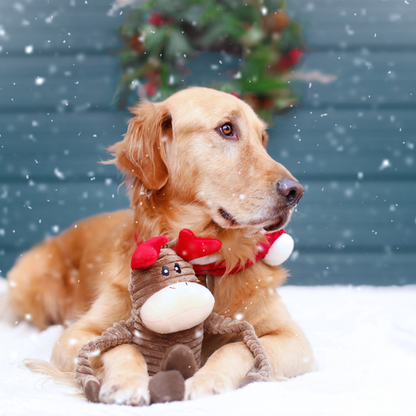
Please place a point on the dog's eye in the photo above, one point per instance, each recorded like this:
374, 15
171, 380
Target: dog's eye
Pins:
165, 270
227, 130
177, 268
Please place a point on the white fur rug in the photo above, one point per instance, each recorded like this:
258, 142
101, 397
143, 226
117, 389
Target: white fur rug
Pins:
364, 340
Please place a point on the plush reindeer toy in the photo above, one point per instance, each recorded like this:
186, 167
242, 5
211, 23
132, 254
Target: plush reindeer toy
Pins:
171, 311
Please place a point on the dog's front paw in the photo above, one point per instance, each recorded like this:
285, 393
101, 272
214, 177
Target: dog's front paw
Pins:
207, 383
129, 389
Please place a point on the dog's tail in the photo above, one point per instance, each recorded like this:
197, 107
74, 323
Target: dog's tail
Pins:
59, 377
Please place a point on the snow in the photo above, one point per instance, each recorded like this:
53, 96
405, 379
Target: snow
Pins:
364, 339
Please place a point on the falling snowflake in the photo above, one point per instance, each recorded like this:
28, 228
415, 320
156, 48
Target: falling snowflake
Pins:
39, 81
58, 174
384, 164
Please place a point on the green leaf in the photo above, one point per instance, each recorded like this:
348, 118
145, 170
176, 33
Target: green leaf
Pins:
262, 85
154, 37
226, 24
195, 12
177, 45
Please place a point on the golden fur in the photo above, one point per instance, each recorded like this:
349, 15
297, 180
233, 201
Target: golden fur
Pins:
180, 172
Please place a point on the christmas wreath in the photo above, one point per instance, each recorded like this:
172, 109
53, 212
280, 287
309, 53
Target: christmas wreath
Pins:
160, 37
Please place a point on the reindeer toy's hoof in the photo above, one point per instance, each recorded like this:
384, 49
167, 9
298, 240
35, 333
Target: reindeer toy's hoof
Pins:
92, 390
168, 384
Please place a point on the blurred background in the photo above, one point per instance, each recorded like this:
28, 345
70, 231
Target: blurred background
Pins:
351, 141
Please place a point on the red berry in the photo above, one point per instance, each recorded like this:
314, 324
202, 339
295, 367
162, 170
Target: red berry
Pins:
291, 59
294, 56
136, 43
284, 64
159, 19
150, 89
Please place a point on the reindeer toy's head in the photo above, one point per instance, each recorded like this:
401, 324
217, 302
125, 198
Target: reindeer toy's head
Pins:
171, 311
167, 296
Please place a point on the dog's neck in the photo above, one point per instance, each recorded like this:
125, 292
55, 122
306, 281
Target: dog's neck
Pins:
158, 213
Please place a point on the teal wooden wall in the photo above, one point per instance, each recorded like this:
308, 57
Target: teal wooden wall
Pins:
351, 142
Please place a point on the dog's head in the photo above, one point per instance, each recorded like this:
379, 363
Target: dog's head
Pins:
207, 148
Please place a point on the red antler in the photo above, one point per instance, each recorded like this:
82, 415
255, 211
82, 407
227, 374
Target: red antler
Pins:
190, 247
147, 252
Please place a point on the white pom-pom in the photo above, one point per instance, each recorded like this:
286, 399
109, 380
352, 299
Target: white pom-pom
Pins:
280, 250
177, 307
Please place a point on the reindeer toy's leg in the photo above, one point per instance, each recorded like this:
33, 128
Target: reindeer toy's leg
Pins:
218, 324
120, 333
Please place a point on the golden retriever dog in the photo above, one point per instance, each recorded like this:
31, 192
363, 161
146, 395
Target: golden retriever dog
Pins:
197, 160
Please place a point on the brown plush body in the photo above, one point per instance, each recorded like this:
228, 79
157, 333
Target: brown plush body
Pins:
144, 283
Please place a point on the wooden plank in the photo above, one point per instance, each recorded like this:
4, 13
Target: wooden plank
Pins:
99, 93
66, 26
53, 167
372, 122
60, 68
363, 78
54, 42
354, 24
36, 5
338, 38
352, 268
66, 82
52, 18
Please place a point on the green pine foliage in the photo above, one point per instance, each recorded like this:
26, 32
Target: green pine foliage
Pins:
160, 37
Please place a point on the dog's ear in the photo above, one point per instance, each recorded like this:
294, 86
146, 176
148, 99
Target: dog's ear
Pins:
142, 152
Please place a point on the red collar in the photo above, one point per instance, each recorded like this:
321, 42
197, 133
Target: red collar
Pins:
219, 268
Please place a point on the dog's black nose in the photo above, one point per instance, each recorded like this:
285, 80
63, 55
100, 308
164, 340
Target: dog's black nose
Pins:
291, 190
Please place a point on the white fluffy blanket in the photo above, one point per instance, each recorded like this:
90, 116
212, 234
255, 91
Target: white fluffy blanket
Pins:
364, 340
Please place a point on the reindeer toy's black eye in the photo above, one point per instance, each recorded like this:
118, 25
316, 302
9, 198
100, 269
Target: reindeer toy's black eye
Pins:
177, 268
165, 270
